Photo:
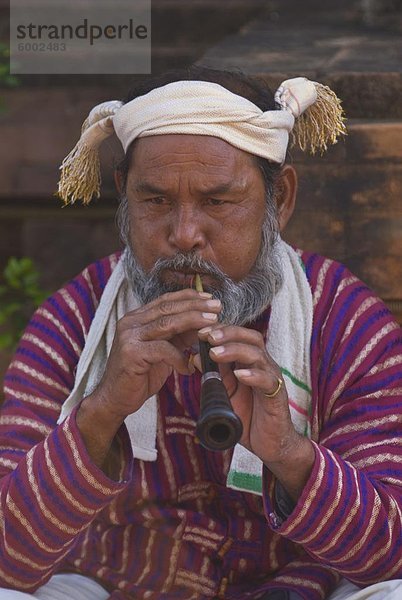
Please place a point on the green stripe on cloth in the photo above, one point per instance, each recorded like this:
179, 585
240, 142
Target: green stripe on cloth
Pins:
245, 481
303, 266
296, 381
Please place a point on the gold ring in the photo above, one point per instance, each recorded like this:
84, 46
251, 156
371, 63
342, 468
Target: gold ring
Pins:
276, 392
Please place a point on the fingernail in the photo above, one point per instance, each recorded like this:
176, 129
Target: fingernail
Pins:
197, 363
218, 350
242, 373
213, 303
205, 295
209, 316
216, 335
205, 330
190, 365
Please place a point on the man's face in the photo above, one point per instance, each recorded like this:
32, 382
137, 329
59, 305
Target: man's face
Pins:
195, 194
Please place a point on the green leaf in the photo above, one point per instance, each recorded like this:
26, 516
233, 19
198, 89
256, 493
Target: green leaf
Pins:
30, 281
7, 341
20, 294
12, 308
26, 264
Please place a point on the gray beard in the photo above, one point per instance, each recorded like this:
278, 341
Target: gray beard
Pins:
242, 301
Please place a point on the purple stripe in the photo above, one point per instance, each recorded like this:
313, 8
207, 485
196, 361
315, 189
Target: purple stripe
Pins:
21, 350
79, 334
55, 496
374, 541
354, 339
34, 512
371, 433
372, 387
53, 335
46, 419
86, 298
313, 515
337, 326
310, 264
362, 411
12, 566
328, 293
71, 470
31, 386
101, 274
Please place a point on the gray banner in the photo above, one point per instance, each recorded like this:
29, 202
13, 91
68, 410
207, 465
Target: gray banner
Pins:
80, 36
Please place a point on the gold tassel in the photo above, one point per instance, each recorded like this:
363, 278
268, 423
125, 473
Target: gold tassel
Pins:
80, 170
321, 124
80, 175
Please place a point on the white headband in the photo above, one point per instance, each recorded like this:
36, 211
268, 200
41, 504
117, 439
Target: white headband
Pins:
204, 108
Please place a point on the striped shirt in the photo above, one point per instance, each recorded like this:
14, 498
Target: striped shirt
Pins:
171, 528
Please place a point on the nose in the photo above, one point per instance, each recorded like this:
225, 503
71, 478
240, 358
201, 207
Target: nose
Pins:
187, 229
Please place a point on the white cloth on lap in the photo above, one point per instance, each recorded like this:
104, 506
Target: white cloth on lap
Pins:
386, 590
64, 586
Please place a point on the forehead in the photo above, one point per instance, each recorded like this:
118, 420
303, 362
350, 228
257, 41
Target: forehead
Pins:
193, 153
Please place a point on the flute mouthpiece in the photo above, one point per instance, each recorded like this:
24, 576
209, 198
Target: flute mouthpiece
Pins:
198, 283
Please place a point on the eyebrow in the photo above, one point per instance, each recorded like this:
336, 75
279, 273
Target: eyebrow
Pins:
144, 186
150, 188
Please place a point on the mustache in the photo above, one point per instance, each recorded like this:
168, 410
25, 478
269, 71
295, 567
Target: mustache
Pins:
189, 262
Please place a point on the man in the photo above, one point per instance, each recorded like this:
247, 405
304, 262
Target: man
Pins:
106, 491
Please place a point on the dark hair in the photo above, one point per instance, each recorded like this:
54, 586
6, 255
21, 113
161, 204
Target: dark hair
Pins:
252, 88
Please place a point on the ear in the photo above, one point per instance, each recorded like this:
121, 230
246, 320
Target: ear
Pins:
285, 195
118, 181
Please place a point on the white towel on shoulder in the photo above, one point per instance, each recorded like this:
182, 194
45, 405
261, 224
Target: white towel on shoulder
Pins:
117, 299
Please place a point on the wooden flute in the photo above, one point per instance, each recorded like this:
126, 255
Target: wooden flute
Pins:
218, 426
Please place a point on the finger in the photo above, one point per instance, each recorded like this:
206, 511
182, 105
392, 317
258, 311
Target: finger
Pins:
232, 333
205, 331
153, 353
241, 353
168, 326
264, 382
178, 296
171, 307
217, 335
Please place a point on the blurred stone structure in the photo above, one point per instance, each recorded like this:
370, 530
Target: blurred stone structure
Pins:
350, 200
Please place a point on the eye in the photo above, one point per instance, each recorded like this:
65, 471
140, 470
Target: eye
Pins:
216, 202
157, 201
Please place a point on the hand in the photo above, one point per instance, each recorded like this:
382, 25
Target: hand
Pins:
248, 372
149, 343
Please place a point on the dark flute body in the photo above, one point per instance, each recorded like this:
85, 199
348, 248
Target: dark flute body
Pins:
218, 426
